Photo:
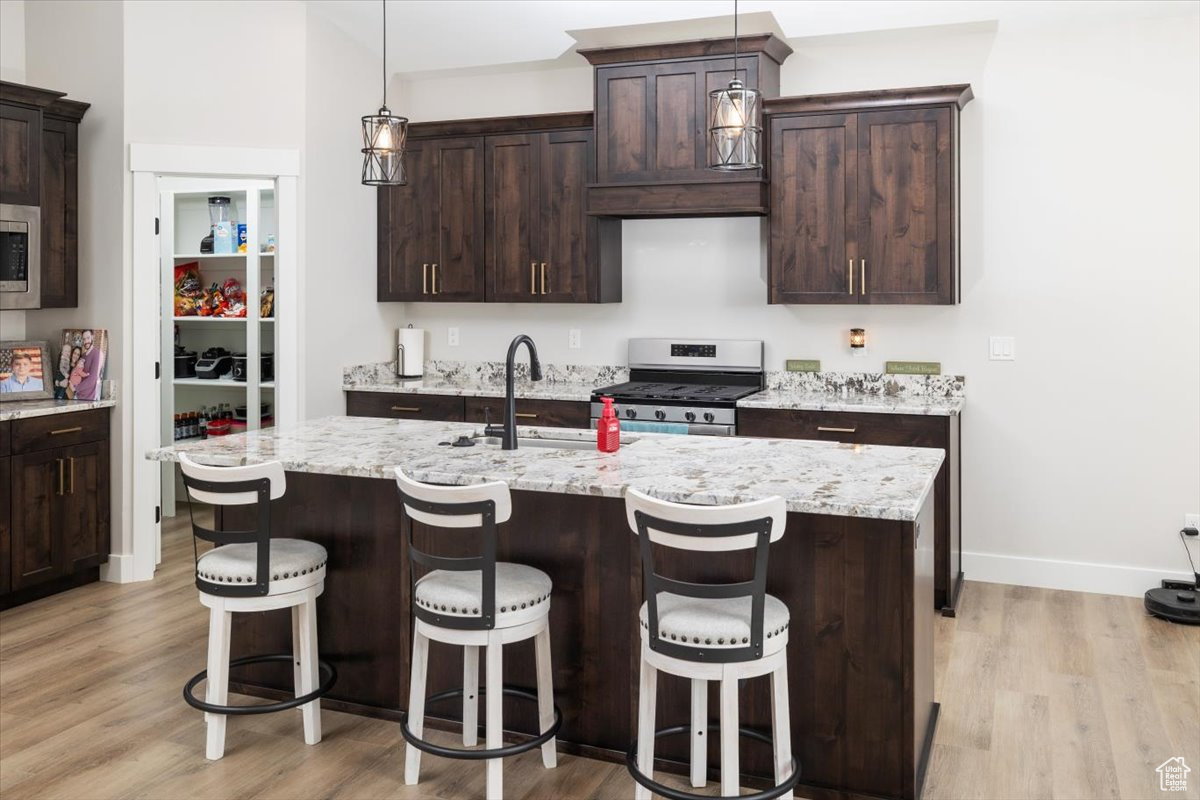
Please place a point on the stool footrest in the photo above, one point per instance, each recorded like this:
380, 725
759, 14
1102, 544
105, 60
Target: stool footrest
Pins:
328, 673
678, 794
479, 755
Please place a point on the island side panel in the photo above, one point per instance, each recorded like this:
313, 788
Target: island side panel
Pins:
919, 685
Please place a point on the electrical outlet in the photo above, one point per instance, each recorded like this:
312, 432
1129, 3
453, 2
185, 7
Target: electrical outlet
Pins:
1191, 521
574, 338
452, 337
1002, 348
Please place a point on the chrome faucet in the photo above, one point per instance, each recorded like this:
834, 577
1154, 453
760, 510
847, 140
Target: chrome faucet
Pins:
508, 432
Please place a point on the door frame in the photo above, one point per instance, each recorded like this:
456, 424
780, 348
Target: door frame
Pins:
142, 411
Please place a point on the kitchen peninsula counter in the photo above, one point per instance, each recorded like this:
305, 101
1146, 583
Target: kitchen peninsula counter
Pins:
854, 567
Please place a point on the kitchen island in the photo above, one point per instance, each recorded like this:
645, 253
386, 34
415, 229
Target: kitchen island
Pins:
855, 568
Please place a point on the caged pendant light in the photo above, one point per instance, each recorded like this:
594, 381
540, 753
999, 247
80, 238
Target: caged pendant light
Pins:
384, 135
734, 120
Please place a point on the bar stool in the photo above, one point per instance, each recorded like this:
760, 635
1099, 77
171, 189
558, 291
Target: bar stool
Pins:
250, 571
710, 632
475, 602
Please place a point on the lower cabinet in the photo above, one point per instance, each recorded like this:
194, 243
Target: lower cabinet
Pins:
451, 408
55, 523
896, 430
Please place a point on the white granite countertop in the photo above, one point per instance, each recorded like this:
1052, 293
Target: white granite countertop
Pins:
476, 386
22, 409
861, 403
813, 477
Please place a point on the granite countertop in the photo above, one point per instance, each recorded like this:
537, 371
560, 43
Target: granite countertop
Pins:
862, 403
22, 409
813, 477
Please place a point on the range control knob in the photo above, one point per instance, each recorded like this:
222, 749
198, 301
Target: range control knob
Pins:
660, 414
690, 416
708, 416
629, 412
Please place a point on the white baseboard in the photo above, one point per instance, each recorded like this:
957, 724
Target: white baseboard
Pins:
1076, 576
119, 569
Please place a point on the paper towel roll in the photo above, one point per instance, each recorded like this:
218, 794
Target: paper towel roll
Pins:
410, 352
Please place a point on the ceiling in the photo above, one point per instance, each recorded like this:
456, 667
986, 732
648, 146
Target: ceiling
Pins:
430, 35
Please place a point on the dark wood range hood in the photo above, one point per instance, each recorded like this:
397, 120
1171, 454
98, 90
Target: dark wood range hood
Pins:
651, 124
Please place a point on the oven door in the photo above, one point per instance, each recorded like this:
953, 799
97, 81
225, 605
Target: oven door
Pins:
689, 429
20, 256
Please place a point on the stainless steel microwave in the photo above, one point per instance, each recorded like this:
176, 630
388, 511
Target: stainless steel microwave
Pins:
20, 256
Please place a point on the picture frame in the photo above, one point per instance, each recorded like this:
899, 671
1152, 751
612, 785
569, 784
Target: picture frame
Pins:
81, 363
25, 371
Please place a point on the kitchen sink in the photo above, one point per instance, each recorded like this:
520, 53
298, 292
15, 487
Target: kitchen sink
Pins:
526, 441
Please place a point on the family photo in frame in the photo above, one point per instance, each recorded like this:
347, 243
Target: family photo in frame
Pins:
27, 372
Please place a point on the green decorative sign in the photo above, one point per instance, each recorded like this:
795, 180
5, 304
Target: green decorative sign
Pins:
912, 367
803, 365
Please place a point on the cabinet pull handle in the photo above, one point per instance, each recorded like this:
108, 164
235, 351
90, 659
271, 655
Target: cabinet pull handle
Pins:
409, 409
424, 279
850, 273
72, 460
823, 429
862, 283
533, 277
435, 291
543, 277
60, 476
525, 415
76, 429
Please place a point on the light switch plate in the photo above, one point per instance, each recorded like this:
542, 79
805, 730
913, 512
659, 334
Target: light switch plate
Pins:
1002, 348
452, 337
574, 339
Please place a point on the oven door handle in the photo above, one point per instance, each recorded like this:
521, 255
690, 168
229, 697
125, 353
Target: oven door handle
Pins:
693, 428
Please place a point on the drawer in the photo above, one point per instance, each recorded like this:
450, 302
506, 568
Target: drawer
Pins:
546, 413
5, 438
446, 408
58, 430
901, 430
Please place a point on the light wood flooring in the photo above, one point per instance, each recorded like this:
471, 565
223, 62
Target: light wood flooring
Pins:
1045, 694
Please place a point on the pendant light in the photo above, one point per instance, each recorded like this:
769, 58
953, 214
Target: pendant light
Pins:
734, 120
384, 135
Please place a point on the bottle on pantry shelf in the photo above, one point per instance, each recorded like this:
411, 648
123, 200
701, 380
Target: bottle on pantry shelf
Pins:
608, 429
203, 422
176, 432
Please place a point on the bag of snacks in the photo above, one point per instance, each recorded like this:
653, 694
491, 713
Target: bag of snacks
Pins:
266, 302
189, 294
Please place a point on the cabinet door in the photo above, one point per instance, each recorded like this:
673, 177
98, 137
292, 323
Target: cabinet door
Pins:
814, 207
5, 525
20, 155
60, 225
542, 413
83, 511
36, 553
905, 190
568, 246
458, 274
407, 221
404, 406
513, 217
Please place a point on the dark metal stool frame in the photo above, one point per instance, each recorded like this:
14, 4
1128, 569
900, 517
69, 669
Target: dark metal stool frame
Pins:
260, 537
486, 565
755, 589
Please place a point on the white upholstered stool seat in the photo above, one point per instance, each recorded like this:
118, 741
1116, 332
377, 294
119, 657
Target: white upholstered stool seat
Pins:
723, 622
518, 589
290, 559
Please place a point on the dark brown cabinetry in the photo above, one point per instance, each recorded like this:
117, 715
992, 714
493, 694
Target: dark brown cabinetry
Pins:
54, 523
864, 202
494, 211
652, 127
39, 166
897, 430
431, 235
404, 406
452, 408
542, 413
541, 244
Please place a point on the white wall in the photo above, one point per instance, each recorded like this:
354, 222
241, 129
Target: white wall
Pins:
75, 47
1079, 240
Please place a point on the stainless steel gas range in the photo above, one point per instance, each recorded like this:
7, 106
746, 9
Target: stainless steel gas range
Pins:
685, 385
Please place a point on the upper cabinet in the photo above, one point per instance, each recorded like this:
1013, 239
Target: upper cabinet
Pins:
652, 127
492, 215
864, 197
39, 166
